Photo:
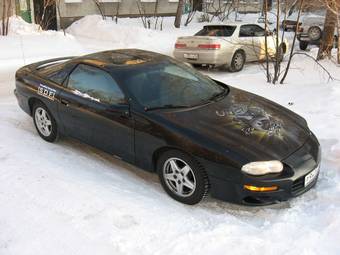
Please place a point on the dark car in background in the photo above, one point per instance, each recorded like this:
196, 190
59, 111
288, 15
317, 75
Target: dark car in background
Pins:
200, 135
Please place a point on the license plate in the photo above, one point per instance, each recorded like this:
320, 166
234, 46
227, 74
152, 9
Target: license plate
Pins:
191, 56
309, 178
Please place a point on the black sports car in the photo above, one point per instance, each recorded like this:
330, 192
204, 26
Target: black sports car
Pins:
161, 115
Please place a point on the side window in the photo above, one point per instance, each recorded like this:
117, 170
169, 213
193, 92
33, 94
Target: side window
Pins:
251, 31
258, 31
59, 76
95, 84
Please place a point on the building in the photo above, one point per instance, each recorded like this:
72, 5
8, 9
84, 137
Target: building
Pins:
67, 11
71, 10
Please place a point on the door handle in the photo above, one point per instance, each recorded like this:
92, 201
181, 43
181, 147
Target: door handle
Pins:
64, 102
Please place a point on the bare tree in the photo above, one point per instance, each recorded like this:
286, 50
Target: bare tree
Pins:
115, 16
46, 14
6, 13
331, 21
194, 6
277, 59
179, 14
100, 8
293, 44
265, 10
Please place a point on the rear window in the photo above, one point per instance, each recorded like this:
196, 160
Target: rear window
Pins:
56, 72
224, 31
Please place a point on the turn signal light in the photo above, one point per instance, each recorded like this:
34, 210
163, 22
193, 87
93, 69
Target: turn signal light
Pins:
209, 46
260, 189
180, 45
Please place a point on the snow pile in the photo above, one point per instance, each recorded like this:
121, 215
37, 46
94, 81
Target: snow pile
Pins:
17, 26
27, 43
94, 26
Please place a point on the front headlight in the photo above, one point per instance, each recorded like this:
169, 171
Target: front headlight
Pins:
263, 167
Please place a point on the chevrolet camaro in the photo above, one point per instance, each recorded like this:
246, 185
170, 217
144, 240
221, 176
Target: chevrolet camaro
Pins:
199, 135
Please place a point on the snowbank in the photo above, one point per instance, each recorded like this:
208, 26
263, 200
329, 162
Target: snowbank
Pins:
17, 26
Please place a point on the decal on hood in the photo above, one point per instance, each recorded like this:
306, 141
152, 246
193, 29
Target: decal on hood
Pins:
252, 119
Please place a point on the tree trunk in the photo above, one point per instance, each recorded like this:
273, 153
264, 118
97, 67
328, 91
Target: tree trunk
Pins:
326, 45
3, 16
293, 44
179, 13
265, 5
277, 46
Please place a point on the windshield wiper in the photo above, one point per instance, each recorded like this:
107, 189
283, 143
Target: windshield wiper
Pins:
167, 106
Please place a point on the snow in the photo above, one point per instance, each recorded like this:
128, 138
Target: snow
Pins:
69, 198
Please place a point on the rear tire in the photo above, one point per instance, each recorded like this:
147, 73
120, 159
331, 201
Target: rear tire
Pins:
238, 61
182, 177
314, 33
44, 122
196, 65
303, 45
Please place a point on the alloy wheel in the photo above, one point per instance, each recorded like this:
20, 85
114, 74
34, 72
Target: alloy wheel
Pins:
43, 121
179, 177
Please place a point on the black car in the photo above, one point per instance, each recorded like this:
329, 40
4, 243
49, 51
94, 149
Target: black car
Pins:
201, 136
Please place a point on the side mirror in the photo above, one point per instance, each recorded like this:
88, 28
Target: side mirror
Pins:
122, 110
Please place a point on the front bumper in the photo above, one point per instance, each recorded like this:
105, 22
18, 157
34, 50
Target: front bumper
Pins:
290, 183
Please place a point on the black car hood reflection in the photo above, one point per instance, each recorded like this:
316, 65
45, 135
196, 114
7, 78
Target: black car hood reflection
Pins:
257, 128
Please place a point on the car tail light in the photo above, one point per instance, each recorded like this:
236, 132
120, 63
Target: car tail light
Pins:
210, 46
300, 29
180, 45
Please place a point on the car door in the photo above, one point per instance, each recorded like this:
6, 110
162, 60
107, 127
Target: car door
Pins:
93, 109
250, 38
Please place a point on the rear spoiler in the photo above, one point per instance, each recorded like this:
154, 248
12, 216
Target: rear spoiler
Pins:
45, 63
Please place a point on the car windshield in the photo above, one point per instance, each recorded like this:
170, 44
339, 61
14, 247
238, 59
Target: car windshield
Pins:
170, 85
224, 31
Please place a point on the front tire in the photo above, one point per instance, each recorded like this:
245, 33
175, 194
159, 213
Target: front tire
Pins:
303, 45
238, 61
182, 177
44, 122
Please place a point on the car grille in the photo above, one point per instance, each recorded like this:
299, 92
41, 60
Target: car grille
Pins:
298, 185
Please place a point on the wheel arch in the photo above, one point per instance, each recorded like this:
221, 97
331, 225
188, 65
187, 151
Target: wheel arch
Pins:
159, 151
32, 101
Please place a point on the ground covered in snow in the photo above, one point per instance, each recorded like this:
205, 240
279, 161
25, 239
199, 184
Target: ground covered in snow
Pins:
68, 198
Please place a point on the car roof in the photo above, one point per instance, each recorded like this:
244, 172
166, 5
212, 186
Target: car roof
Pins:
121, 57
234, 23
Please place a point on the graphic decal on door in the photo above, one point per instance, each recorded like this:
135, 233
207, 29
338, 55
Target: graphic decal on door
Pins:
47, 92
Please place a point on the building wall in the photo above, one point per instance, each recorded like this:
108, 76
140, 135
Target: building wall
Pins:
243, 6
70, 12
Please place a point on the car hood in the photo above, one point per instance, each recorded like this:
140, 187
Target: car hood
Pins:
252, 126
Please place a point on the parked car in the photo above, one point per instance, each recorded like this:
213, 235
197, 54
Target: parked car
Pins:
310, 32
229, 45
289, 25
200, 135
